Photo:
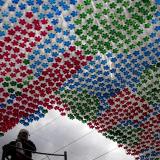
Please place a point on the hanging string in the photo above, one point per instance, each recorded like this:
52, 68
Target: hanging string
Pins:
105, 153
74, 141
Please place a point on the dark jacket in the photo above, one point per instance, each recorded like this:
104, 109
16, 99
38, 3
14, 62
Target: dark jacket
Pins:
10, 150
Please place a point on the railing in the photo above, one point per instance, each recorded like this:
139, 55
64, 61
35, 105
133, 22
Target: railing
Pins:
47, 154
50, 154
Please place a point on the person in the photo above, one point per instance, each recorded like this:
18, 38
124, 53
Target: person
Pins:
15, 148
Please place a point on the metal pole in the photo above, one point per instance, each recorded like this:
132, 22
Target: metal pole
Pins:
65, 155
49, 154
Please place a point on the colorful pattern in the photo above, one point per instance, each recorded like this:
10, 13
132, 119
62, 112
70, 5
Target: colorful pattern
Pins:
146, 88
105, 25
95, 61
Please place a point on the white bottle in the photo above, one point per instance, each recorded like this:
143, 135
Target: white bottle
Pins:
19, 145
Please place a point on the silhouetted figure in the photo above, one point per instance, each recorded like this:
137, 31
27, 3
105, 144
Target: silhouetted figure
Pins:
21, 142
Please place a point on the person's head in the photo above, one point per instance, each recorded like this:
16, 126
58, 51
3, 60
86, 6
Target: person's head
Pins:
23, 135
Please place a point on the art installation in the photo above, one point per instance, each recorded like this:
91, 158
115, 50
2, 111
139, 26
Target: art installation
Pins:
97, 61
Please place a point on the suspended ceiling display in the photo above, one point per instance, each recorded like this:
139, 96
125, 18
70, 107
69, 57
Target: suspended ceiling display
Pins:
97, 61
